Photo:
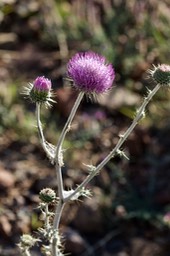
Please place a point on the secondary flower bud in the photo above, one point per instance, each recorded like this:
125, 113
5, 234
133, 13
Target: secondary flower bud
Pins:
47, 195
27, 241
161, 74
40, 91
90, 73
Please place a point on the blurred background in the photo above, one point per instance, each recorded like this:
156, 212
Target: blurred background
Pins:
129, 212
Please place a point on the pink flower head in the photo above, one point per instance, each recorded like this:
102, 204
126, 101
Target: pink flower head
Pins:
42, 84
90, 73
40, 91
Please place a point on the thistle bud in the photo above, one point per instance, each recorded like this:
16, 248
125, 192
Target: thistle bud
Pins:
27, 240
161, 74
47, 195
39, 91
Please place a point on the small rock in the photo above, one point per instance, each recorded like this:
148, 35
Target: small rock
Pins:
5, 226
73, 241
142, 247
88, 218
6, 178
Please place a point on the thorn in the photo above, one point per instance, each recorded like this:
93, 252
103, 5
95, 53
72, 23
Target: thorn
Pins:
91, 168
121, 153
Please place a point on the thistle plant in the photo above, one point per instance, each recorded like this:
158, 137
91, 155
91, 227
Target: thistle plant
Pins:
91, 75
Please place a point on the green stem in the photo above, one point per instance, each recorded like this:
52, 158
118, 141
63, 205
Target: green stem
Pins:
47, 226
59, 163
58, 213
58, 153
40, 131
122, 139
26, 253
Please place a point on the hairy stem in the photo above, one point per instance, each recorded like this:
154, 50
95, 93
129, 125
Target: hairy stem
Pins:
47, 223
26, 253
55, 239
59, 163
122, 139
40, 131
58, 153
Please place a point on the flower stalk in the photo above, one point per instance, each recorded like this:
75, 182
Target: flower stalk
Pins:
139, 115
58, 153
59, 163
40, 132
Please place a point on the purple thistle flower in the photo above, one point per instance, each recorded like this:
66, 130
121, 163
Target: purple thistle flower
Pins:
39, 91
42, 84
90, 73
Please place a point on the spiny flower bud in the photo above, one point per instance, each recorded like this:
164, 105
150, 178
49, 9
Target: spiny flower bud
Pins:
27, 241
90, 73
39, 91
47, 195
161, 74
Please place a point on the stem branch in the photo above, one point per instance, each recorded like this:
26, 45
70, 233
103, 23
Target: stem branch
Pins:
122, 139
